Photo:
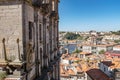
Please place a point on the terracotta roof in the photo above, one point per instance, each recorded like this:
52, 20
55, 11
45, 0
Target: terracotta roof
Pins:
117, 46
63, 71
113, 64
74, 64
70, 72
84, 53
79, 69
75, 58
113, 53
65, 55
84, 67
108, 63
116, 65
96, 74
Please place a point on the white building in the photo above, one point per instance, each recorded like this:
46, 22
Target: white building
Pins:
95, 48
116, 48
111, 68
104, 66
112, 37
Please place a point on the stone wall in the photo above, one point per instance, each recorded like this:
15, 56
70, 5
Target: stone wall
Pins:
29, 17
11, 27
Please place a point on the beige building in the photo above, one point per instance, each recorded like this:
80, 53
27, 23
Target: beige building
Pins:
29, 39
90, 48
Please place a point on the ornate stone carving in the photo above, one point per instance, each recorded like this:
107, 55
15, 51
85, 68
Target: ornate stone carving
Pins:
3, 59
45, 8
29, 52
37, 3
17, 61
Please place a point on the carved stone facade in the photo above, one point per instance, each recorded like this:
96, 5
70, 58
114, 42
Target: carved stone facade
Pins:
29, 39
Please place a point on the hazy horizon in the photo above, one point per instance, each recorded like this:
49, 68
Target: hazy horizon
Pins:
87, 30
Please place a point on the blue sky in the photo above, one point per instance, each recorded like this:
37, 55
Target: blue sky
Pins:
85, 15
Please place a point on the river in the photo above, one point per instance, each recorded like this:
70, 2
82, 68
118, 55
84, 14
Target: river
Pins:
71, 47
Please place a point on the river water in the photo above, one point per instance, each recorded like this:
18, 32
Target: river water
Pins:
71, 47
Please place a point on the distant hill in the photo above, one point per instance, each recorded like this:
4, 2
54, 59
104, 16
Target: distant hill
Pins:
71, 36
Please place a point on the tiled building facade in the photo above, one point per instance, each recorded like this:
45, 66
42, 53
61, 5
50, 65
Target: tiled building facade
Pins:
29, 39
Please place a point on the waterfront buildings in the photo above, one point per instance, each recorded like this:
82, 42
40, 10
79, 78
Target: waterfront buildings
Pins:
91, 48
29, 39
116, 48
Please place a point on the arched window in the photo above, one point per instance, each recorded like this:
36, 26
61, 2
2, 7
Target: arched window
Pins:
40, 33
30, 30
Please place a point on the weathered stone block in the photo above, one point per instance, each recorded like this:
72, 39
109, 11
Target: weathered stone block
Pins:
3, 7
13, 6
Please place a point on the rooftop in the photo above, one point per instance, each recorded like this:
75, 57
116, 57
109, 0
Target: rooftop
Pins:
96, 74
113, 63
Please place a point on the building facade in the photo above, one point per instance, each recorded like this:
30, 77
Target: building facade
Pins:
111, 69
29, 39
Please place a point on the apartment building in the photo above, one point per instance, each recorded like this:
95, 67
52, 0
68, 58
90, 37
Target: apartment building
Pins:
116, 48
111, 68
96, 74
91, 48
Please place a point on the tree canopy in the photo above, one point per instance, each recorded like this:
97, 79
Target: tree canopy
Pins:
71, 36
102, 52
116, 32
77, 51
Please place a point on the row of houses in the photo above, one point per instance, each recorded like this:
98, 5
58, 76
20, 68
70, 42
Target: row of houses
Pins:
87, 66
70, 69
90, 48
108, 69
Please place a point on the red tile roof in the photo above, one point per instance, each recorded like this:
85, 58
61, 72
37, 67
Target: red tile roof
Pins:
113, 53
97, 74
108, 63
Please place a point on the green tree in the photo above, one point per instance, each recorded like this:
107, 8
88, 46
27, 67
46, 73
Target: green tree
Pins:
77, 51
85, 38
61, 32
77, 61
2, 75
102, 52
80, 38
117, 41
115, 32
71, 36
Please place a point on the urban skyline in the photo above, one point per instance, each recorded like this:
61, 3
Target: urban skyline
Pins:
85, 15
